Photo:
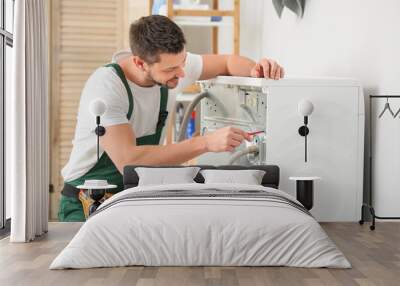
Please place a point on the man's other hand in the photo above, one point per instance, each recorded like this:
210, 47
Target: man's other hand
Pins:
267, 68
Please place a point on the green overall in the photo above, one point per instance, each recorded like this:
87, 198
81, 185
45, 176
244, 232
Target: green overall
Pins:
70, 208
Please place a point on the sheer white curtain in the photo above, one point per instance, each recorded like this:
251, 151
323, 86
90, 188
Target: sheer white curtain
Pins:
27, 123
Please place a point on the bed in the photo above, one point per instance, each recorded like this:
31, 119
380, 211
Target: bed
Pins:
201, 224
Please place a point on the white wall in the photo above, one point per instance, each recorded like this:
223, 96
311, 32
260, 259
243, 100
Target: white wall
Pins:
352, 38
346, 38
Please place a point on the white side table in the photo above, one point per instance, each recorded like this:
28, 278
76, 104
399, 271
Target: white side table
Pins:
305, 190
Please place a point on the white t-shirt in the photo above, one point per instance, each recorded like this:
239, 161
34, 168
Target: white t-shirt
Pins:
105, 84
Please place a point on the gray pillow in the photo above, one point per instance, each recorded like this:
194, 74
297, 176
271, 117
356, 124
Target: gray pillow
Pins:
248, 177
163, 176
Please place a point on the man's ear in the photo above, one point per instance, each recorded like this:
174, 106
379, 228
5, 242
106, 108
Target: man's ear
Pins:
139, 62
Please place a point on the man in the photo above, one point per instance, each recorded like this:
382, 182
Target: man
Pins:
138, 88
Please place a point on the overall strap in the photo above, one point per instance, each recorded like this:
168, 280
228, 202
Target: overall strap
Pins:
163, 114
121, 75
154, 139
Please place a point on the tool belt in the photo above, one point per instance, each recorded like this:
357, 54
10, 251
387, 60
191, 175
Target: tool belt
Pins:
83, 196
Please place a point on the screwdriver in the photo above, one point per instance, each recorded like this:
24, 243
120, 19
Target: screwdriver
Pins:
255, 132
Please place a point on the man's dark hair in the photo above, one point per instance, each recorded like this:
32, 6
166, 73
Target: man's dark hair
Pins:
152, 35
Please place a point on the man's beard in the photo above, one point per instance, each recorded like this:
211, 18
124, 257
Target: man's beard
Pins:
165, 85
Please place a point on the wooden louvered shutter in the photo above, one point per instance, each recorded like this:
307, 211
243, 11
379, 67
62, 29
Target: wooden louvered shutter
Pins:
84, 35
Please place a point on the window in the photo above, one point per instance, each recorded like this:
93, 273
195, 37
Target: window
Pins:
6, 45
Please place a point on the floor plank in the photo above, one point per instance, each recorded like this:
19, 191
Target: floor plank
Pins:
374, 255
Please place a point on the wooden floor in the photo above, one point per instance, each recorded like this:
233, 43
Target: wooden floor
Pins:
374, 255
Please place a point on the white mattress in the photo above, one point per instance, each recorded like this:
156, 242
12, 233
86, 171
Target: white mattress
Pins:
183, 231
